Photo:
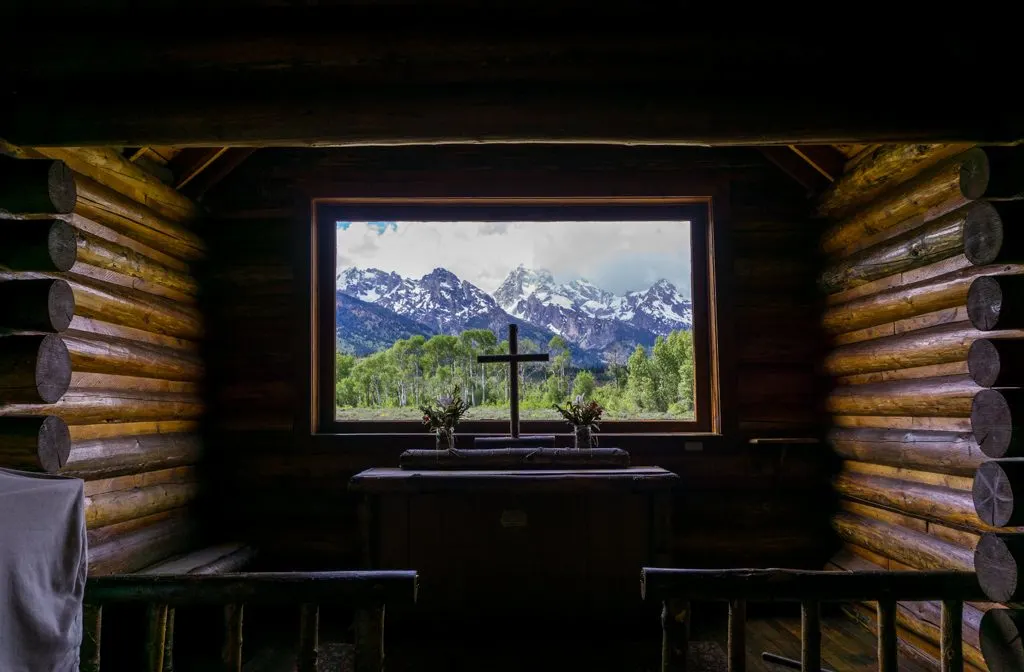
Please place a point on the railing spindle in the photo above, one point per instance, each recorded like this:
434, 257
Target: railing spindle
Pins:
156, 633
675, 635
888, 651
309, 623
369, 644
231, 653
810, 636
952, 636
92, 628
737, 636
169, 642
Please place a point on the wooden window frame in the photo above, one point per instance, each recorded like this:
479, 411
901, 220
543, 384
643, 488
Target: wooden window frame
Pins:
706, 271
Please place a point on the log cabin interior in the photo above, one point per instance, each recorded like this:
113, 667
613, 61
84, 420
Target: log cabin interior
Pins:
170, 319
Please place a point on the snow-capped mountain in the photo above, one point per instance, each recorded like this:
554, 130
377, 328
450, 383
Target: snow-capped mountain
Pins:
439, 299
597, 324
660, 309
534, 296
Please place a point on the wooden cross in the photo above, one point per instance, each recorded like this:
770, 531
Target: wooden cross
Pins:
513, 358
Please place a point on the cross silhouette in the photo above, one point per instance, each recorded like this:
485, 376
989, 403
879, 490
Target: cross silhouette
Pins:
513, 358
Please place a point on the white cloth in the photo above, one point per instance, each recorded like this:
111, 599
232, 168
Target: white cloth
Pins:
43, 561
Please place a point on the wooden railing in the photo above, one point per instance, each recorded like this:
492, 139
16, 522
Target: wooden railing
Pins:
365, 591
675, 588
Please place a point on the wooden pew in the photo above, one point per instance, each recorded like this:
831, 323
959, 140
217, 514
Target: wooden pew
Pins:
366, 591
675, 588
219, 559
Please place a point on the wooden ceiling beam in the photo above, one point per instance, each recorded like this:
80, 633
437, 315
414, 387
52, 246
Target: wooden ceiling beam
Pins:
827, 160
189, 163
228, 160
417, 77
661, 114
797, 168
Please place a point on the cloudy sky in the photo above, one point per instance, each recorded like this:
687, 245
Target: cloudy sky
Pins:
617, 256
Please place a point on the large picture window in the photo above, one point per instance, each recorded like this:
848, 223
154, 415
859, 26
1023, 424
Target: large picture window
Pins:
616, 295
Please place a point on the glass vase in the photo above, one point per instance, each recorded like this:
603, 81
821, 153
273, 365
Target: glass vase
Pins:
444, 438
584, 438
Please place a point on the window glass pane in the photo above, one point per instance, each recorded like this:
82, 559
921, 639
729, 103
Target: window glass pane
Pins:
610, 302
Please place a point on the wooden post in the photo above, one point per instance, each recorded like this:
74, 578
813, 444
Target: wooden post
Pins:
231, 653
367, 530
92, 628
661, 533
156, 630
888, 651
952, 636
737, 643
169, 642
309, 623
675, 635
513, 379
369, 639
810, 636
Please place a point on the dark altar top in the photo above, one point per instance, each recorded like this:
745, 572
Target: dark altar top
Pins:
402, 481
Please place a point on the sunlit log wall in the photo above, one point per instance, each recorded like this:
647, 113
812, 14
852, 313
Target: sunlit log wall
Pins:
100, 368
740, 505
921, 284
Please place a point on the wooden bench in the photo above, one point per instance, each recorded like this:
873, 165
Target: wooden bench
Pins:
367, 592
675, 588
220, 559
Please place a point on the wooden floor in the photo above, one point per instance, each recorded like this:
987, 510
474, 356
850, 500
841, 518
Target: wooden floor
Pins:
846, 647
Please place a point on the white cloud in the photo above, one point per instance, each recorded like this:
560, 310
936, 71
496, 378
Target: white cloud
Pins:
617, 256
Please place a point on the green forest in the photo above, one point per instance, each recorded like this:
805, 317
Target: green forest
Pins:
655, 383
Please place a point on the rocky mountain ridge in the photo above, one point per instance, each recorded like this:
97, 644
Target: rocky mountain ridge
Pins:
599, 325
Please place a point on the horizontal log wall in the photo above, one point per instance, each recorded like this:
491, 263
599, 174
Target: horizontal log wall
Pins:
288, 492
921, 291
100, 367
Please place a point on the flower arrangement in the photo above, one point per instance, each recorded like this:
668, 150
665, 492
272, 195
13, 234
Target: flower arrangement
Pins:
443, 417
585, 417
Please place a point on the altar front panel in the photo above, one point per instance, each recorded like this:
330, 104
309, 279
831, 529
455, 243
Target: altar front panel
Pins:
550, 554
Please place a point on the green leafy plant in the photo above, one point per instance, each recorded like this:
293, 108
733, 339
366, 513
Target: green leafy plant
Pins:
446, 413
582, 413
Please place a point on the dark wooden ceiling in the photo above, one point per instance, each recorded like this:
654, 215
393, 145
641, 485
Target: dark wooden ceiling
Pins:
301, 76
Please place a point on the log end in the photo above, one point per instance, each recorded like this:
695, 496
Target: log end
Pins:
983, 362
992, 423
61, 305
53, 369
1001, 641
993, 495
985, 303
61, 188
996, 568
983, 234
54, 444
62, 244
975, 173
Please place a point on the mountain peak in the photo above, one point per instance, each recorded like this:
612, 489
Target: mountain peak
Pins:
442, 274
